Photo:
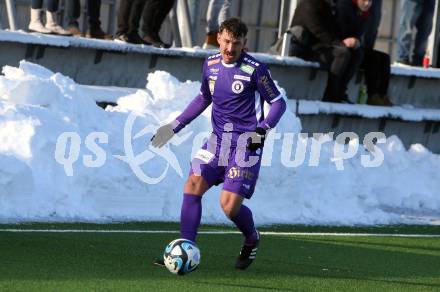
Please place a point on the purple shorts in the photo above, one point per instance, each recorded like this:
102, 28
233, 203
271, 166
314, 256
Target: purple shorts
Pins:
236, 167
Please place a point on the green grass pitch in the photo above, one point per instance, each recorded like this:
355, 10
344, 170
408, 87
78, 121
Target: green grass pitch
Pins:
40, 261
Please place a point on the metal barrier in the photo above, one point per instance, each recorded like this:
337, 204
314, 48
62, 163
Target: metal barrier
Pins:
112, 15
12, 14
184, 24
435, 38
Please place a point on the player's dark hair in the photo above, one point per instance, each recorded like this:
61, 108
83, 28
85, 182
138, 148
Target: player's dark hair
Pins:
234, 26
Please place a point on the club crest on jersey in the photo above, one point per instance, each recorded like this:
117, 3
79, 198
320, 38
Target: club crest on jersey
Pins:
237, 86
211, 86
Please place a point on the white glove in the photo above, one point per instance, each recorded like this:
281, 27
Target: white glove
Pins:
162, 136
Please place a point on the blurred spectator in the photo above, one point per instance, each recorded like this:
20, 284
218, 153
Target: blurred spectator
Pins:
153, 13
52, 26
356, 19
128, 22
315, 37
373, 22
218, 11
416, 14
73, 12
377, 77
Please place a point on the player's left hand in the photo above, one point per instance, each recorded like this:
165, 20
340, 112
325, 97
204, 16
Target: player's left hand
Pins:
257, 139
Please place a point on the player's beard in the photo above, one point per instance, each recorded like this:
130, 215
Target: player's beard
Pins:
229, 57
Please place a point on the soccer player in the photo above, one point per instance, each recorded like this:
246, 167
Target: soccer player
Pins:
236, 85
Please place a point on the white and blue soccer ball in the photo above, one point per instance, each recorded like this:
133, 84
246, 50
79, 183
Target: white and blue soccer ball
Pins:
181, 256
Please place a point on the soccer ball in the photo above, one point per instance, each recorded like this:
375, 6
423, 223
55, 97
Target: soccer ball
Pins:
181, 256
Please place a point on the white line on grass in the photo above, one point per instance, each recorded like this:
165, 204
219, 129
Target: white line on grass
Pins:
219, 232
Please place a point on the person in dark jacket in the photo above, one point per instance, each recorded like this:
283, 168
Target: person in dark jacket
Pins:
373, 23
353, 18
321, 41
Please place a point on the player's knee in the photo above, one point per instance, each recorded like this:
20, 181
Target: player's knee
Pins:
196, 185
230, 209
230, 203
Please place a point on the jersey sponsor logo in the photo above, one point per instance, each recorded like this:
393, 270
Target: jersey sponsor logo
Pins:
264, 80
204, 155
214, 70
211, 86
237, 86
235, 172
241, 77
213, 62
246, 68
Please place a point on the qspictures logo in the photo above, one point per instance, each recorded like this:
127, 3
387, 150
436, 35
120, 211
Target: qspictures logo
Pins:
294, 151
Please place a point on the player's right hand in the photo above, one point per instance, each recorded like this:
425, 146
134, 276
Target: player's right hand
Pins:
162, 136
257, 139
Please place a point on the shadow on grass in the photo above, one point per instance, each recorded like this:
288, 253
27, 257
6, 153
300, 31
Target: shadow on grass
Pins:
410, 246
244, 286
128, 257
333, 258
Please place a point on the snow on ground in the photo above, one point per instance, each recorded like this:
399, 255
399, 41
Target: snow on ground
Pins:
59, 41
62, 158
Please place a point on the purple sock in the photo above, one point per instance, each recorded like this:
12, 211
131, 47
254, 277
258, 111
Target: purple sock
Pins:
190, 216
243, 220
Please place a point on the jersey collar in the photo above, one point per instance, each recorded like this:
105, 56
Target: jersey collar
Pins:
229, 65
235, 63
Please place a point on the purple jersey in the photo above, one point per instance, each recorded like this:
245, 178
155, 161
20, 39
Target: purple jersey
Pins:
237, 92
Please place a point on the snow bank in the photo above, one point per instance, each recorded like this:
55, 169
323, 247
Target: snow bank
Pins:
44, 115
